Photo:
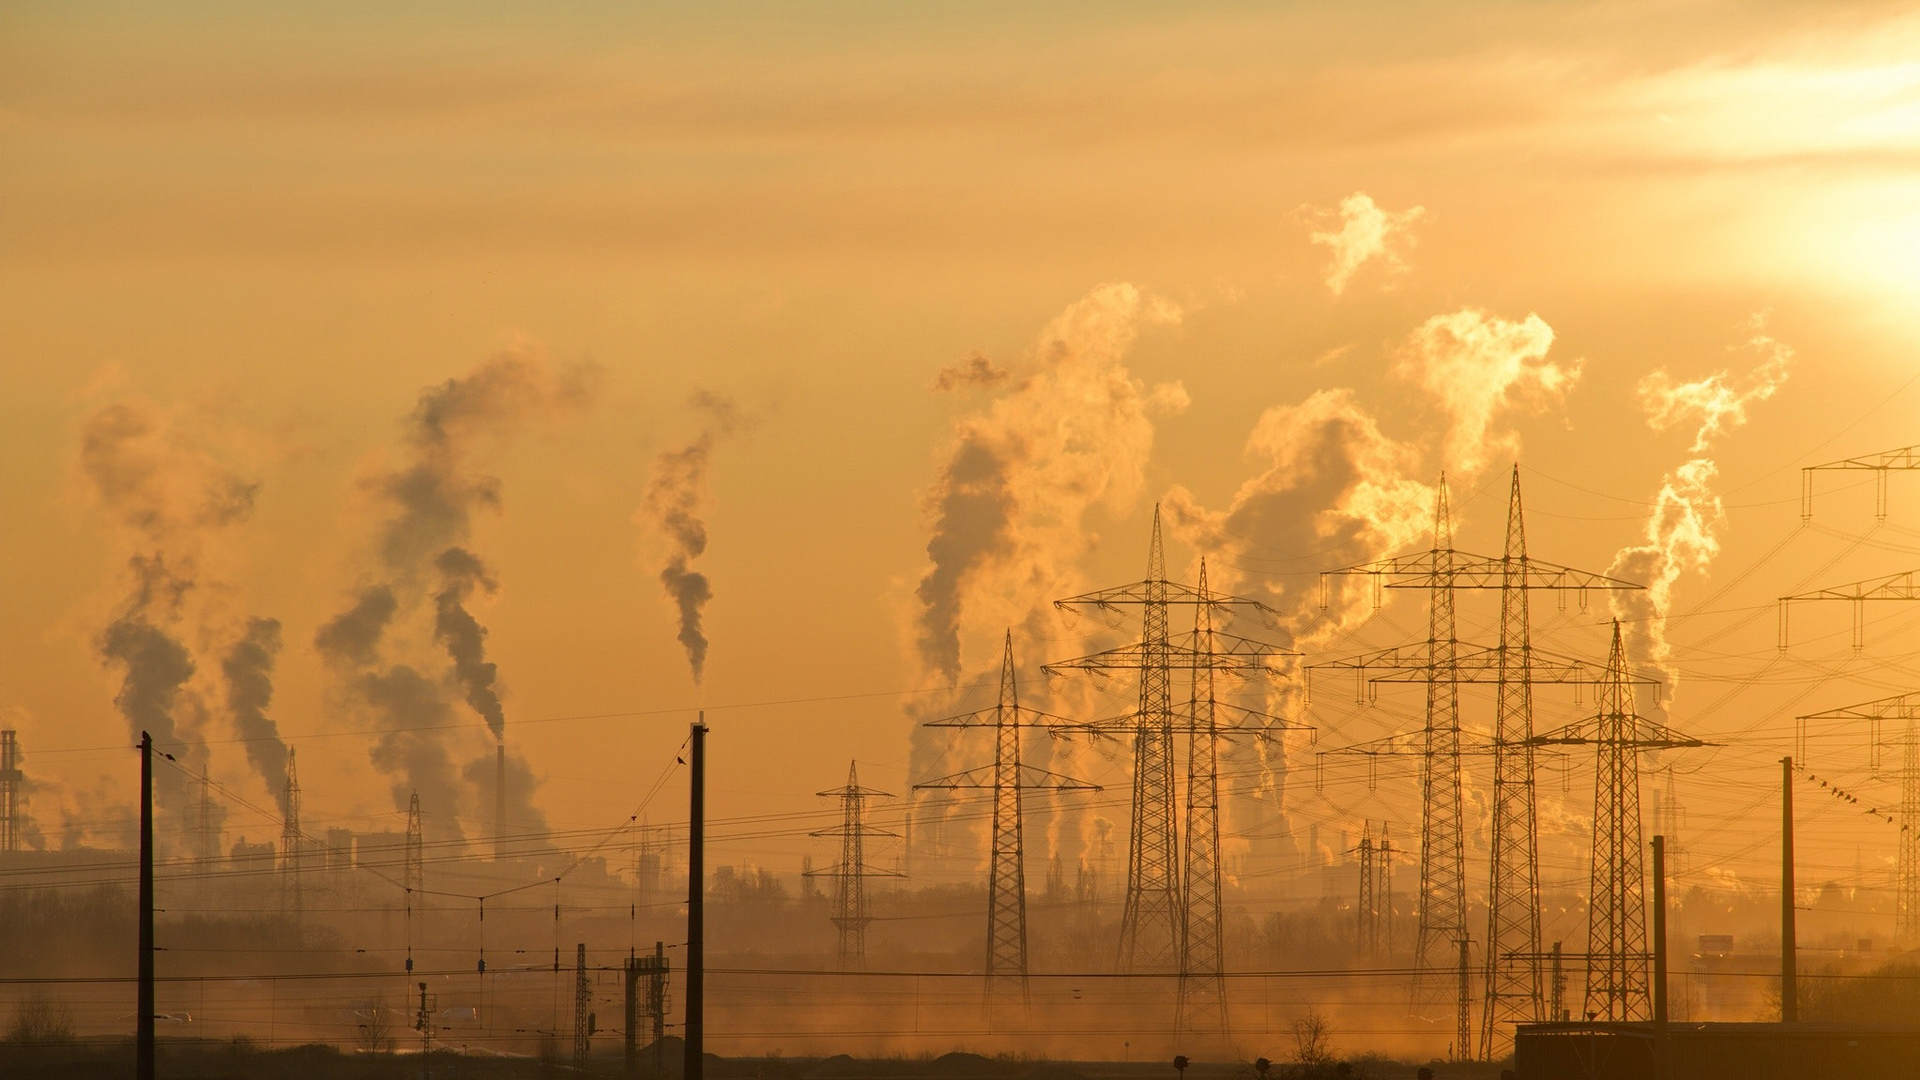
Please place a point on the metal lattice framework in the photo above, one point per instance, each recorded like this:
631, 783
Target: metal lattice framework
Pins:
1905, 459
1366, 910
414, 875
582, 1002
1618, 980
1514, 988
850, 911
1904, 707
1150, 928
290, 840
1902, 586
1008, 780
11, 781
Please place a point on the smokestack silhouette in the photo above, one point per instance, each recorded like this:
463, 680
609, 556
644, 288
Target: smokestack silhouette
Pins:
499, 798
248, 669
675, 501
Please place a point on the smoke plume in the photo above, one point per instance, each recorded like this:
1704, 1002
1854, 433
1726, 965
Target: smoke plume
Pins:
1332, 489
424, 552
465, 639
676, 501
1478, 367
1683, 529
166, 497
248, 668
1365, 232
1007, 504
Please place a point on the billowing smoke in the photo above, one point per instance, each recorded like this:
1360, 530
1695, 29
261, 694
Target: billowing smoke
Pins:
676, 503
1364, 233
1070, 430
248, 668
166, 498
425, 552
1332, 489
1479, 367
524, 820
1683, 529
462, 572
1007, 505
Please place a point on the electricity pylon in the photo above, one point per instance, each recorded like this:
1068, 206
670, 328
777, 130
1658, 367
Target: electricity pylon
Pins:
11, 781
1150, 934
582, 1002
1006, 991
290, 840
1906, 924
1618, 980
1901, 586
1366, 935
850, 911
414, 875
1905, 459
1512, 946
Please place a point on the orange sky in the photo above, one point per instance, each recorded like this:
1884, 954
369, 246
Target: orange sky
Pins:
272, 231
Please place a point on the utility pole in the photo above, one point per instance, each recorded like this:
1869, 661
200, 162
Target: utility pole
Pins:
1789, 940
1660, 956
850, 911
1006, 990
1617, 978
1150, 934
694, 1033
143, 1021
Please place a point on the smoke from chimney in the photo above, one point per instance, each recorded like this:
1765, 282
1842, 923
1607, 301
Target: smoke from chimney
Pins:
675, 504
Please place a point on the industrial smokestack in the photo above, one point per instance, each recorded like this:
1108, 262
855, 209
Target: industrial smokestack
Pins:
499, 798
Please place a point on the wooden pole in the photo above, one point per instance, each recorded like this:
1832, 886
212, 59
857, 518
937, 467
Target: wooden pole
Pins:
696, 901
143, 1022
1789, 942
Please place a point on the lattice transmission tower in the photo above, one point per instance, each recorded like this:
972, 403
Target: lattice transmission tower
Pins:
1511, 968
1904, 707
290, 844
582, 1009
1201, 1006
1366, 908
851, 914
1006, 997
12, 780
414, 875
1150, 927
1618, 979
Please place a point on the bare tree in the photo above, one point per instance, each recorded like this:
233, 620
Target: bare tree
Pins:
40, 1021
1313, 1040
376, 1029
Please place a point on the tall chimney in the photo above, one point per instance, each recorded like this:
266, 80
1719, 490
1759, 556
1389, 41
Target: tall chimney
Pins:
499, 798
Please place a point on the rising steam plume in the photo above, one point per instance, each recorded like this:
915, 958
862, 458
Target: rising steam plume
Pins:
166, 499
424, 556
248, 669
1683, 529
676, 504
1360, 231
1066, 432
